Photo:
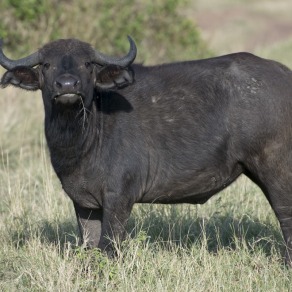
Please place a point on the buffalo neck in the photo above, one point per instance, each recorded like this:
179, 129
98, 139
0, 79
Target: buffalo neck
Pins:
70, 134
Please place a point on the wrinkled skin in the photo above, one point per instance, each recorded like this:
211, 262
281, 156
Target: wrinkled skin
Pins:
174, 133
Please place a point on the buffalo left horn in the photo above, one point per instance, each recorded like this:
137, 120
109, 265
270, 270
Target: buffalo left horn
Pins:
125, 61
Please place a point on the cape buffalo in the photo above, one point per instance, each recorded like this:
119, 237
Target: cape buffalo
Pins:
121, 133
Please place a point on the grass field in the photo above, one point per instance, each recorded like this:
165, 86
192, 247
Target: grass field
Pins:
231, 243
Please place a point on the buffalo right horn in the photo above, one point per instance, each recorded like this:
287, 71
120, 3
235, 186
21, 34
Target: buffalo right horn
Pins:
125, 61
31, 60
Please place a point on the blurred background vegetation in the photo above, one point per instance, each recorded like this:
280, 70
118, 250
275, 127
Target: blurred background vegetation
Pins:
159, 28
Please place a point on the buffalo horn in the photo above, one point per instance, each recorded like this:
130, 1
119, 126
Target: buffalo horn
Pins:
125, 61
31, 60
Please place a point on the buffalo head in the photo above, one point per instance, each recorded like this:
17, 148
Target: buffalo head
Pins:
67, 71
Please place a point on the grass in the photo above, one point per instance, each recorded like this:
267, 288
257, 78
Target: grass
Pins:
231, 243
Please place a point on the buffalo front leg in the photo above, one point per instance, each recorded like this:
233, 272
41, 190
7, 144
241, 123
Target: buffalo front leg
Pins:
116, 212
89, 222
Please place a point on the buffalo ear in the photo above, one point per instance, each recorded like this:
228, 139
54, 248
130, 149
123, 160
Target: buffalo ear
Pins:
22, 77
112, 76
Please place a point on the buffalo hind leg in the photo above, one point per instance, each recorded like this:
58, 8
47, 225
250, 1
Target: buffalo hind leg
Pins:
282, 206
284, 214
89, 222
278, 191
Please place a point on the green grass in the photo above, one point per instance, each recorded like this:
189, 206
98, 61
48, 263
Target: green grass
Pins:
231, 243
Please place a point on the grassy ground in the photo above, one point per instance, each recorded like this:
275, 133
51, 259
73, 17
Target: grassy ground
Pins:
231, 243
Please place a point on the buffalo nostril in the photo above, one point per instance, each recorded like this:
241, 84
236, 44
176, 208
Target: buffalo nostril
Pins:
76, 83
58, 84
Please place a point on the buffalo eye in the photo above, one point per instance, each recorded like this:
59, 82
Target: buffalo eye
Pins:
87, 64
47, 66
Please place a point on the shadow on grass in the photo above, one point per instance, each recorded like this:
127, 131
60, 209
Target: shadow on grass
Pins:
168, 230
215, 233
48, 232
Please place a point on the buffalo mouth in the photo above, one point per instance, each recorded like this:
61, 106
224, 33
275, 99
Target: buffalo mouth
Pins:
67, 98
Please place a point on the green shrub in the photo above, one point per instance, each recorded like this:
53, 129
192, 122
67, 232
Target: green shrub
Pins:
160, 30
27, 10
